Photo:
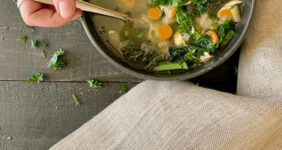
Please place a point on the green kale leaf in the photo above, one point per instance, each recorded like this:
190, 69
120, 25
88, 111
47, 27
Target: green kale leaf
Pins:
139, 34
122, 89
33, 43
184, 20
225, 32
183, 53
44, 44
57, 62
43, 54
38, 77
200, 6
177, 53
203, 45
75, 99
22, 38
94, 83
175, 3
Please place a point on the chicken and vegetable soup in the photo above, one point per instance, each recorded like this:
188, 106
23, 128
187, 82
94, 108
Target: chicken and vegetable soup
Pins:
168, 35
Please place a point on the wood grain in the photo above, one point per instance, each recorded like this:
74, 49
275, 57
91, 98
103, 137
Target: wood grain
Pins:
18, 60
36, 116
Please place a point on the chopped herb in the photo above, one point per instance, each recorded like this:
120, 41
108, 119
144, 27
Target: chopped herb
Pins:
205, 42
225, 32
29, 27
22, 38
44, 44
214, 27
139, 34
38, 77
122, 89
76, 101
200, 6
57, 62
43, 54
176, 54
175, 3
150, 3
184, 20
178, 3
190, 59
172, 66
94, 83
33, 43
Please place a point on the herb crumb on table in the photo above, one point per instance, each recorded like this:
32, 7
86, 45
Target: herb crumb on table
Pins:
38, 77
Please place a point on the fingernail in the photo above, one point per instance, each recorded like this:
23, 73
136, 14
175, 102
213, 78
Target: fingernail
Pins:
66, 9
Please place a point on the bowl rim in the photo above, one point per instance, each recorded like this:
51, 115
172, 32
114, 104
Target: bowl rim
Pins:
182, 76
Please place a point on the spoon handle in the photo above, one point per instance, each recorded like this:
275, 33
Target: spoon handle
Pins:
85, 6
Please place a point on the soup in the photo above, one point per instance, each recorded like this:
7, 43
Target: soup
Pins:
167, 36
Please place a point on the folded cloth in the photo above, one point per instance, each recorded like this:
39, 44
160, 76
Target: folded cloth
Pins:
180, 115
260, 66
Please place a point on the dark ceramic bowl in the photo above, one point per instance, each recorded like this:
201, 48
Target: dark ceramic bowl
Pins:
223, 55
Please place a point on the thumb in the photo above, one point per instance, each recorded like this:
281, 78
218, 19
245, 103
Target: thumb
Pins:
66, 8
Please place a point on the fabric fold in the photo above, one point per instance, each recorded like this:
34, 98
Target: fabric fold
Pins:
173, 115
180, 115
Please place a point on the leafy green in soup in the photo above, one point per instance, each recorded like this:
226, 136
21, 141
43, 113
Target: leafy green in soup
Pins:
169, 35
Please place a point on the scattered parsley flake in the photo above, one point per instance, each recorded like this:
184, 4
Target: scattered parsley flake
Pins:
94, 83
29, 27
44, 44
22, 38
57, 62
122, 89
76, 101
139, 34
43, 54
38, 77
33, 43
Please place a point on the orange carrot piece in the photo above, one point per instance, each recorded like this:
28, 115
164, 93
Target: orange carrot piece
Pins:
214, 37
165, 32
128, 3
226, 13
154, 13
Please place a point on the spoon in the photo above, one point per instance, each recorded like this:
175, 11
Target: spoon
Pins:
95, 9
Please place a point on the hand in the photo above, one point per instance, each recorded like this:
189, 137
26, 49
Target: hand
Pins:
38, 14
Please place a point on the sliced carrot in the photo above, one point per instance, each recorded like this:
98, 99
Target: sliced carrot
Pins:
214, 37
172, 11
128, 3
225, 13
165, 31
154, 13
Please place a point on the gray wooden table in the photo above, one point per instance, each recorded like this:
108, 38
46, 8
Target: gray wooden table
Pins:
36, 116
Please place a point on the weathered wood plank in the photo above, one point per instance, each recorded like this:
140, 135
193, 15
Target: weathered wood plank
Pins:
37, 116
18, 60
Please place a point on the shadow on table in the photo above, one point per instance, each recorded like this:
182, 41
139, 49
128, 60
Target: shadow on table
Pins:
223, 78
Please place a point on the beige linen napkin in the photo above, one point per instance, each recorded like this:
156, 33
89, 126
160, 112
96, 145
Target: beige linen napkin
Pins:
180, 115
